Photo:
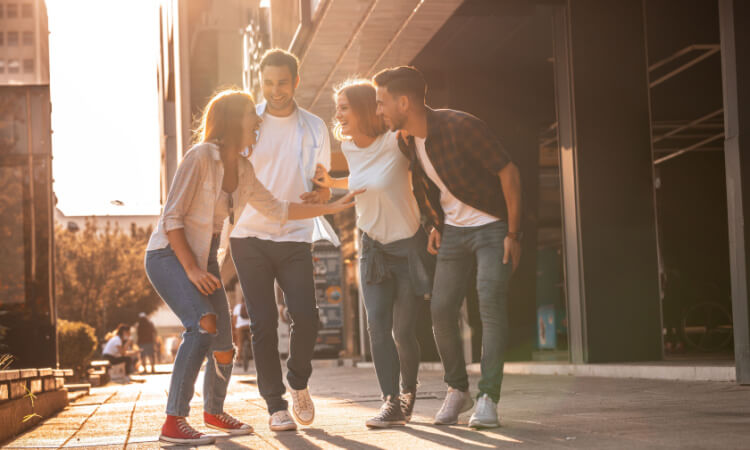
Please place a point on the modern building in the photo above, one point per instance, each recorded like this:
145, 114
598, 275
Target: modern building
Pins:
27, 300
626, 118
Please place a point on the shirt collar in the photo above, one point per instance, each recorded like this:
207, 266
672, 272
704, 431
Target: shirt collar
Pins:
214, 151
261, 108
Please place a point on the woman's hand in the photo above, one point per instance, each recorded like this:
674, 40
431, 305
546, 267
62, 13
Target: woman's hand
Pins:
322, 178
206, 282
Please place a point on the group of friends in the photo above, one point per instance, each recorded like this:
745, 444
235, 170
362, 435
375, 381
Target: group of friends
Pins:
435, 193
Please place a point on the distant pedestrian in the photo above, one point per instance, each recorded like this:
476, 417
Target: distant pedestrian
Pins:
146, 332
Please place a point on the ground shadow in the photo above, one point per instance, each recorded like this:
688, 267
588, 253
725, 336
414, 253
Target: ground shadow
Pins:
482, 441
339, 441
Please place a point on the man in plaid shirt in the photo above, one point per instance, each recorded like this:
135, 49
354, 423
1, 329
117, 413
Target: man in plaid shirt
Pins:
469, 192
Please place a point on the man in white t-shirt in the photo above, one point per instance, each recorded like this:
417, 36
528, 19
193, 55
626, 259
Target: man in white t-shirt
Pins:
467, 186
292, 142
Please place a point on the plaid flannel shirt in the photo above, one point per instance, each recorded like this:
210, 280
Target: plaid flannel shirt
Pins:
466, 156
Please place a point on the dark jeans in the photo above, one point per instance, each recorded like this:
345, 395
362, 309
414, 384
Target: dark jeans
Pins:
460, 248
392, 307
258, 263
121, 359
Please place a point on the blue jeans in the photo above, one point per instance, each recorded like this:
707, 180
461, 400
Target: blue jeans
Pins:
171, 282
392, 305
460, 247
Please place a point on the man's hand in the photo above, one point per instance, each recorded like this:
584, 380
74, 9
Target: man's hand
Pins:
512, 252
433, 242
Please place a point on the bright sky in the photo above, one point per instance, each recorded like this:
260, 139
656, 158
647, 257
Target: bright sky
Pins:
103, 56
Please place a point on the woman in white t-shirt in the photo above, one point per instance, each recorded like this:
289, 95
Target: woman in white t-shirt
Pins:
396, 270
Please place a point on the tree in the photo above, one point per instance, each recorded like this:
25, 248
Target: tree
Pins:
100, 279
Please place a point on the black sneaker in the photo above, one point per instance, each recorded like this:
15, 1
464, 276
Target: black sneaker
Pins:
407, 400
390, 415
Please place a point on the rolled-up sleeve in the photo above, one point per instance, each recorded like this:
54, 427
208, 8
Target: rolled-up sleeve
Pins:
263, 201
182, 192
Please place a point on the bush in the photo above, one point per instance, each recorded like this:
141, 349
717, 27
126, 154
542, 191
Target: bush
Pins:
77, 343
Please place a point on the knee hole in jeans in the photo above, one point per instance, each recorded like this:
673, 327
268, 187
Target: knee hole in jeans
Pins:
224, 357
208, 324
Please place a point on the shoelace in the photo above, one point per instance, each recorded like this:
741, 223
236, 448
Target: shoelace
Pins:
302, 400
281, 417
386, 409
185, 428
406, 398
229, 420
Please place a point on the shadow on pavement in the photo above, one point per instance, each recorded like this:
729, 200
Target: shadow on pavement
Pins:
338, 441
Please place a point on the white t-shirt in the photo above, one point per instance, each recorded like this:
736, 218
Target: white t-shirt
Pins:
113, 346
457, 213
241, 322
387, 211
277, 166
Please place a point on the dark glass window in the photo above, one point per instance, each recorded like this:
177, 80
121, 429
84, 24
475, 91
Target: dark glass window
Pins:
14, 66
28, 66
2, 10
2, 66
28, 38
27, 12
12, 38
12, 10
2, 38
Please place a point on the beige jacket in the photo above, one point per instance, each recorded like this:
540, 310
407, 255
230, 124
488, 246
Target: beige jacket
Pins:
195, 191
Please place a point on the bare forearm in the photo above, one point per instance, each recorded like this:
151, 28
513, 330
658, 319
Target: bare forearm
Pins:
510, 179
181, 248
299, 211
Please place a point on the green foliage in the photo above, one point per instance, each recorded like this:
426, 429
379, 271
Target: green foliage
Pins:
99, 276
77, 343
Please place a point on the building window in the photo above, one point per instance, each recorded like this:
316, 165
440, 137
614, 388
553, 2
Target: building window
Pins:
28, 66
2, 10
14, 66
28, 38
2, 66
12, 10
2, 38
27, 12
12, 38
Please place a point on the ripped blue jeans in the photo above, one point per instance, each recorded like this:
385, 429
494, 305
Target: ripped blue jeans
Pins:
171, 282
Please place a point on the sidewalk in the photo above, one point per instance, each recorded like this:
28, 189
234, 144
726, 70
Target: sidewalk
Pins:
536, 411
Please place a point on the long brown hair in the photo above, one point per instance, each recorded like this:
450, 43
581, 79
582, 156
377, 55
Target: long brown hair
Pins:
361, 96
222, 118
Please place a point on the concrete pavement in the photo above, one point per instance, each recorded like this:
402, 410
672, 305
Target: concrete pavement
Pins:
536, 411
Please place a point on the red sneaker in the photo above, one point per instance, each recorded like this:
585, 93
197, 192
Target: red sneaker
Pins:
226, 423
176, 430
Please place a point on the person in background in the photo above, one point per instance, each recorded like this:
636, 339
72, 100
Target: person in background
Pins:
116, 349
243, 338
146, 333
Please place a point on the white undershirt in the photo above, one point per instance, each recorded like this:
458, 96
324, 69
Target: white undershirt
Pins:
113, 346
387, 211
277, 166
241, 321
457, 213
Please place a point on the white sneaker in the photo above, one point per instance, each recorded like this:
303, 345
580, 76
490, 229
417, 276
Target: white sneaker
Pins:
454, 404
302, 406
485, 416
281, 421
